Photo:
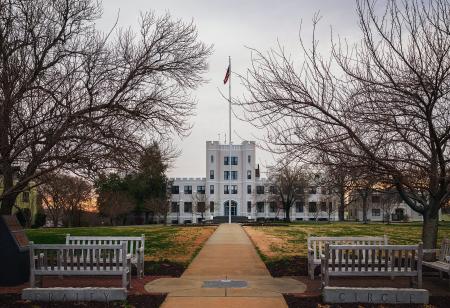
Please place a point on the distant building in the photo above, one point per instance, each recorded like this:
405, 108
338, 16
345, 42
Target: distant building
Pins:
382, 206
28, 201
250, 194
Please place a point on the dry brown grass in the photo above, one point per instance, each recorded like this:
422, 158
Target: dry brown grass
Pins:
280, 242
184, 244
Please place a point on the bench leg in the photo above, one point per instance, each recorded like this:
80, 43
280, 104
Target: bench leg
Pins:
125, 283
139, 269
419, 281
311, 271
32, 280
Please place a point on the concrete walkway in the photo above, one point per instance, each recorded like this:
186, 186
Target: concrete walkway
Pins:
227, 255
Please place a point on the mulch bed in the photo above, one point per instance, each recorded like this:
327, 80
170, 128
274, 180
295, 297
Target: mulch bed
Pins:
293, 266
162, 268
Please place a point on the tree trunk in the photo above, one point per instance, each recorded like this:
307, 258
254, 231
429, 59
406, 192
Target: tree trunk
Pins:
287, 213
341, 208
364, 208
430, 230
7, 202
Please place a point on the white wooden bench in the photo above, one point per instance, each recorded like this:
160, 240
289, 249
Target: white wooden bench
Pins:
372, 260
135, 246
316, 246
79, 260
442, 264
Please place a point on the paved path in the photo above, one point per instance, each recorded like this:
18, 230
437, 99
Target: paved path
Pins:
228, 254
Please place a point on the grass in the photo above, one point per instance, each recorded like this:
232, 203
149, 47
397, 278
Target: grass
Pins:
176, 244
275, 243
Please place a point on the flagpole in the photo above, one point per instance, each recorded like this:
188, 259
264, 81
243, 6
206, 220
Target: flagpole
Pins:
229, 136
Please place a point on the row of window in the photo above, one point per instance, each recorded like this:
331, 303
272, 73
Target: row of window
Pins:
259, 189
226, 175
187, 207
234, 160
312, 207
226, 190
260, 207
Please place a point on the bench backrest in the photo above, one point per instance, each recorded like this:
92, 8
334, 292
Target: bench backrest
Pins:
444, 253
375, 258
60, 258
133, 242
316, 244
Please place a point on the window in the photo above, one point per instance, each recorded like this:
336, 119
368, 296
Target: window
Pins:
212, 158
211, 174
225, 190
312, 207
323, 206
188, 190
272, 207
260, 207
226, 175
249, 159
249, 189
26, 196
249, 206
299, 207
211, 189
175, 190
226, 160
260, 190
175, 207
234, 160
375, 199
313, 190
201, 189
234, 189
376, 212
188, 207
211, 206
272, 189
249, 174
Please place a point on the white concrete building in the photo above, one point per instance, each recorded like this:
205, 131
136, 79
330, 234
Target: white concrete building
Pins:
195, 199
383, 206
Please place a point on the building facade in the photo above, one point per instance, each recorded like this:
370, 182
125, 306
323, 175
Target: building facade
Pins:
27, 201
384, 206
196, 199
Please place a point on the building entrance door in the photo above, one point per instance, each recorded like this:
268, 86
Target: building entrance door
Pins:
233, 208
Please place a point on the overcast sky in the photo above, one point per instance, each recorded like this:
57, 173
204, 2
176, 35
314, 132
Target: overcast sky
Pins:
231, 26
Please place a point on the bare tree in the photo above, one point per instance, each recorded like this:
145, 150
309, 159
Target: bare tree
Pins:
199, 203
65, 197
387, 97
290, 183
158, 207
114, 205
388, 200
74, 98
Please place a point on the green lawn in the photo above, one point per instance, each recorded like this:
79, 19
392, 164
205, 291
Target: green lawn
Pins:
284, 241
161, 242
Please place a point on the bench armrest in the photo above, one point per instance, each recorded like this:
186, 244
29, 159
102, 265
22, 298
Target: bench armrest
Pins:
431, 250
140, 250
